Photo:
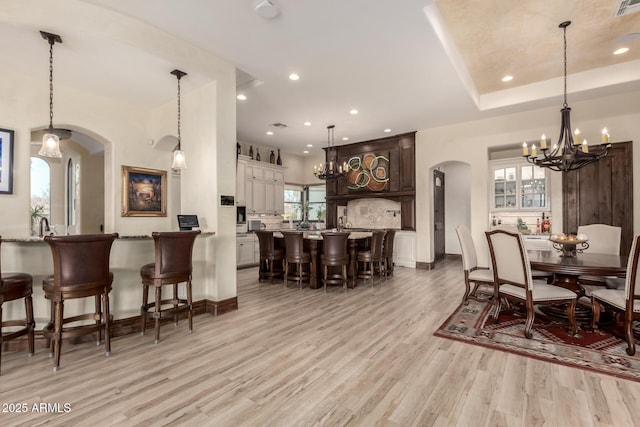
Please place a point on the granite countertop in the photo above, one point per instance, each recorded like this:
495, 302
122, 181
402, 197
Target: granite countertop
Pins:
36, 239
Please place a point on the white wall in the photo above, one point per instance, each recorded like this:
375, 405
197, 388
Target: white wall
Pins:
469, 143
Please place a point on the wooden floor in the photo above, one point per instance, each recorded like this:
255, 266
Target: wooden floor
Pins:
292, 357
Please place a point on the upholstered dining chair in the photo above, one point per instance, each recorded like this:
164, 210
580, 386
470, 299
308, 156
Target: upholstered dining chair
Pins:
172, 266
387, 252
80, 270
603, 239
536, 274
295, 256
513, 280
622, 301
13, 287
271, 259
371, 258
334, 254
473, 274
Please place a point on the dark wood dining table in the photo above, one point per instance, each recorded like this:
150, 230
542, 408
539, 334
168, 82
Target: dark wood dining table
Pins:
566, 270
314, 241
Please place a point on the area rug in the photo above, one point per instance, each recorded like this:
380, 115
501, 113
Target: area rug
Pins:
603, 352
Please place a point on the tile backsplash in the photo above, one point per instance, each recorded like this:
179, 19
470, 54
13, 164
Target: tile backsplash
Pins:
373, 213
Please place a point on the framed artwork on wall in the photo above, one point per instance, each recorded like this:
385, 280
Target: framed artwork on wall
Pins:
144, 192
368, 172
6, 161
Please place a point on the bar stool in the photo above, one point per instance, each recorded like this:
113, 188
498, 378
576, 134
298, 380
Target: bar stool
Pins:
80, 270
172, 266
270, 257
295, 254
334, 254
387, 252
14, 286
371, 258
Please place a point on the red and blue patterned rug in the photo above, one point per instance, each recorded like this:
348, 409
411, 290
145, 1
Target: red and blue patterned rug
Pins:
603, 352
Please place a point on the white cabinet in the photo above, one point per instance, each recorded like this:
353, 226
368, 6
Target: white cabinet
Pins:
262, 188
241, 183
245, 249
517, 185
404, 249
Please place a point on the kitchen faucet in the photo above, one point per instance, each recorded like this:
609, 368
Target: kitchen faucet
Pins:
47, 229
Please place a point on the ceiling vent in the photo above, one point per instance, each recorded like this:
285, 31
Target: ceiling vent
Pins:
266, 9
279, 125
626, 7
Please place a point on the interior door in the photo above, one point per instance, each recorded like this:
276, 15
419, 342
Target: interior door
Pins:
438, 215
602, 193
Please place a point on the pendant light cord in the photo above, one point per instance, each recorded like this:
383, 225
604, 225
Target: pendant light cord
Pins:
564, 27
179, 138
51, 42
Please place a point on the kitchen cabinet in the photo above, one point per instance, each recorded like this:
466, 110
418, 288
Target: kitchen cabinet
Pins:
245, 249
241, 183
404, 249
263, 186
517, 185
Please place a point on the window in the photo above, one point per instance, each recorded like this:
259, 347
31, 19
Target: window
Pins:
316, 195
296, 197
40, 191
293, 202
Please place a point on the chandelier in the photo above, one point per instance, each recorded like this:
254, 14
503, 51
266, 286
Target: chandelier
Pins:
569, 153
51, 138
330, 171
179, 161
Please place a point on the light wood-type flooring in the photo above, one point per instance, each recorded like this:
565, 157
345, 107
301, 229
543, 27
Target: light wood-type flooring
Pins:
291, 357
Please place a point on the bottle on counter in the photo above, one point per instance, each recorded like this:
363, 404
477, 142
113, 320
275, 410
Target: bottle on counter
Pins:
546, 224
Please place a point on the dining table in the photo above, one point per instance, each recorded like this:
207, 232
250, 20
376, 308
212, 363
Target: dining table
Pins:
313, 240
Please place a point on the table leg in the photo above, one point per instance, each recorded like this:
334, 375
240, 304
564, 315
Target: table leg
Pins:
353, 244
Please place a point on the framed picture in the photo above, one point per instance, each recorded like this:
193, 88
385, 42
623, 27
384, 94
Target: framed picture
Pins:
144, 192
6, 161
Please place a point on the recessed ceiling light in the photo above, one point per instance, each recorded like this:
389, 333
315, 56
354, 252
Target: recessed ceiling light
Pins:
354, 111
306, 151
507, 78
387, 130
307, 123
294, 77
269, 132
345, 138
241, 97
621, 51
309, 145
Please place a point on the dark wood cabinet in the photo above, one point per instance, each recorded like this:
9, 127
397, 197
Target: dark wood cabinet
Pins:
602, 193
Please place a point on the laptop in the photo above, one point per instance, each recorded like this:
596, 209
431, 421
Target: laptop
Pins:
188, 222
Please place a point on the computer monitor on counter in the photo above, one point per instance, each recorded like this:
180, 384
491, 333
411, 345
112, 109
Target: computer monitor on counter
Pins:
188, 222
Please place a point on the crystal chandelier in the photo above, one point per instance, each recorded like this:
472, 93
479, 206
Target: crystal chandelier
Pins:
179, 161
51, 138
569, 153
330, 171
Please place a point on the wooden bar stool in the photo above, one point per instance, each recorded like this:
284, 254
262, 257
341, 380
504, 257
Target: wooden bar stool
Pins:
296, 256
80, 270
371, 258
387, 252
172, 266
271, 259
334, 254
15, 286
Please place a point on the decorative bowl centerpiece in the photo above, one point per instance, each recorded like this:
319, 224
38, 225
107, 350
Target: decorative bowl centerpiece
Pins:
569, 244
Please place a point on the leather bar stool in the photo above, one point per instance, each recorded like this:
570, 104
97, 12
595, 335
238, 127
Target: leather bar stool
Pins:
80, 270
334, 254
271, 259
15, 286
172, 266
387, 252
295, 254
368, 260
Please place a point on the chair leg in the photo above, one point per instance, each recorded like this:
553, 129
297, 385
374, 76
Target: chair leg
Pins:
595, 314
571, 314
98, 317
175, 304
57, 334
156, 313
190, 304
286, 273
531, 314
143, 309
299, 268
107, 324
31, 324
344, 277
325, 270
628, 332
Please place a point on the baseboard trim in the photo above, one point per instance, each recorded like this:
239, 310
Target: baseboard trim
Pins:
425, 265
130, 325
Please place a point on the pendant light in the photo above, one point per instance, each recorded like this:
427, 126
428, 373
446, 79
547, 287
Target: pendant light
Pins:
51, 138
330, 171
179, 161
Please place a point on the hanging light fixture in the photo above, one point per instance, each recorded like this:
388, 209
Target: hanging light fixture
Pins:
51, 139
569, 153
179, 161
330, 171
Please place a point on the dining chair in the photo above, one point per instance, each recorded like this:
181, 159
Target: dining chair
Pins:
13, 287
603, 239
473, 274
271, 259
334, 254
536, 274
371, 258
173, 265
387, 252
80, 270
295, 256
514, 282
624, 301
